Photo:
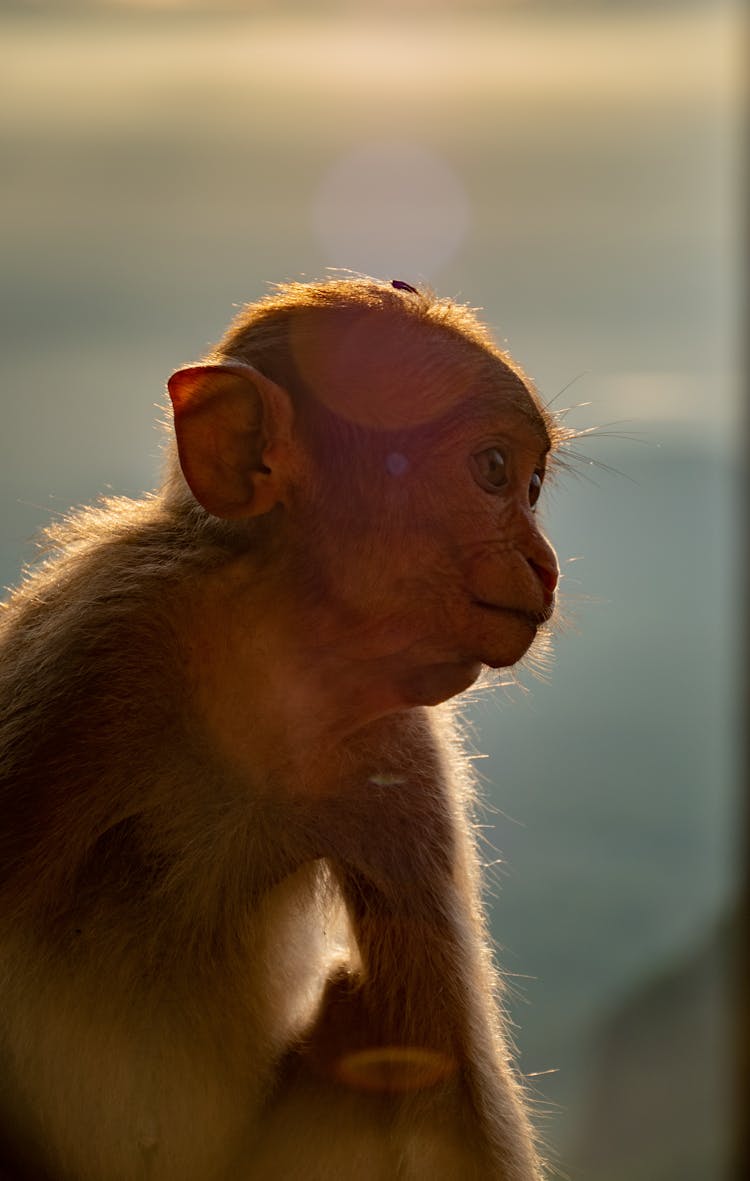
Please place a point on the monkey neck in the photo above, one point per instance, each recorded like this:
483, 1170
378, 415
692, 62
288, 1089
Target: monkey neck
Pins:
307, 680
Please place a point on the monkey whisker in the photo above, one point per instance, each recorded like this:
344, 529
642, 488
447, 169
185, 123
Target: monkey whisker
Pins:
559, 394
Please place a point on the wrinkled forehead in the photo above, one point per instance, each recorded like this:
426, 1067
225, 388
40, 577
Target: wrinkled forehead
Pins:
382, 372
513, 397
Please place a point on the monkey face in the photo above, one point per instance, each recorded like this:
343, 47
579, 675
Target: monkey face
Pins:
434, 555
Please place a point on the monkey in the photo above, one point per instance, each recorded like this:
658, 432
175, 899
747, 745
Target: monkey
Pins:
241, 929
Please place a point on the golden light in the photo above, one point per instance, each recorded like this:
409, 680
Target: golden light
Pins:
394, 1068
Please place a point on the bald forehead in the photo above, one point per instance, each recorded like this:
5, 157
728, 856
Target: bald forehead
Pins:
492, 392
511, 393
390, 372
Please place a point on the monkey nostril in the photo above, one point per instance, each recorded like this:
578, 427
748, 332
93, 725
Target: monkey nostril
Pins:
547, 575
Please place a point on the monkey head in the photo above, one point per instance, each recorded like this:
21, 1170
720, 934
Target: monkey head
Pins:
401, 457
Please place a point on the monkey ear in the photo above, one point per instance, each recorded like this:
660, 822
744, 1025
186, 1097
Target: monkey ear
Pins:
234, 434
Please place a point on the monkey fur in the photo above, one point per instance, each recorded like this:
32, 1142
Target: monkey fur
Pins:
241, 936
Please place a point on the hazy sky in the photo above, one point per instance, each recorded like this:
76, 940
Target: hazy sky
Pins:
574, 176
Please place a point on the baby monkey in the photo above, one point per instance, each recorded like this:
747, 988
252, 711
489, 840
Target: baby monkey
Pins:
241, 936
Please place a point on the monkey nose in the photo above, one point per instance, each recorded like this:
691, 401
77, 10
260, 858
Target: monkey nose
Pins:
547, 575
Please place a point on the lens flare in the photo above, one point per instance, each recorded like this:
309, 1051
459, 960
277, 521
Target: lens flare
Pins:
390, 208
394, 1068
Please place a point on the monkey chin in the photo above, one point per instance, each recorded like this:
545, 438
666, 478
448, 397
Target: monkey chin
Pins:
436, 682
510, 653
508, 645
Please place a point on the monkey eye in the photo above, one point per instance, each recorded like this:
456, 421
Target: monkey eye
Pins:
535, 487
491, 470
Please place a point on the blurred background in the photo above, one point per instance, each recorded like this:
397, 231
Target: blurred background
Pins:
571, 168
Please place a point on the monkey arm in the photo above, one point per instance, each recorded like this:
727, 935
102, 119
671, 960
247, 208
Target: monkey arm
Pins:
427, 990
418, 1023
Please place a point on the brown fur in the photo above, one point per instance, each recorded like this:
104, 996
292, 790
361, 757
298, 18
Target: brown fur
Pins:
240, 929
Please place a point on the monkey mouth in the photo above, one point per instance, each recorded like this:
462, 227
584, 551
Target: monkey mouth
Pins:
534, 619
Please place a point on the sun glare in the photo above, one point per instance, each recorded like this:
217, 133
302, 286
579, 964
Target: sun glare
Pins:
389, 205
